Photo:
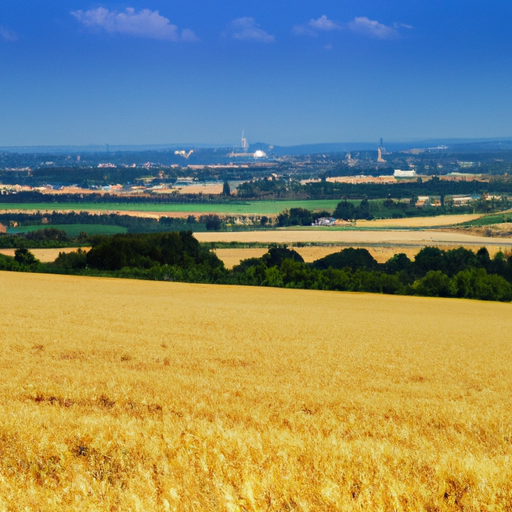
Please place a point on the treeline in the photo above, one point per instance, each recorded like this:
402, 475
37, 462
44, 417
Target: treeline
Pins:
96, 197
133, 224
83, 176
299, 217
434, 272
178, 256
41, 239
280, 189
48, 237
365, 209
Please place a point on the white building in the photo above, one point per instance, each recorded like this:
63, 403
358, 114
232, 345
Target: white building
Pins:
404, 174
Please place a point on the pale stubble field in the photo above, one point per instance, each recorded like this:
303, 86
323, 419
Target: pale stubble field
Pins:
131, 395
232, 257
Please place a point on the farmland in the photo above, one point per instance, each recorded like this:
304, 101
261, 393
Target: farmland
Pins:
130, 395
353, 237
74, 229
228, 208
44, 255
418, 222
310, 253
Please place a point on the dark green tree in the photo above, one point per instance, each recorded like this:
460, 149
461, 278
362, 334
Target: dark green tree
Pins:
434, 284
364, 210
344, 210
212, 222
278, 253
350, 257
25, 258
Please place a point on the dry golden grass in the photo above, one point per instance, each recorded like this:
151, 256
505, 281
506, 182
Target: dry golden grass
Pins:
419, 238
232, 257
131, 395
211, 188
418, 222
44, 255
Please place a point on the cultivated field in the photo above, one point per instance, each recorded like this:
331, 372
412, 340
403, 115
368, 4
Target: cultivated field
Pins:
228, 208
131, 395
232, 257
74, 229
44, 255
418, 222
354, 237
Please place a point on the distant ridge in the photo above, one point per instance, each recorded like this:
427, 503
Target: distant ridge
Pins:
344, 147
482, 144
104, 148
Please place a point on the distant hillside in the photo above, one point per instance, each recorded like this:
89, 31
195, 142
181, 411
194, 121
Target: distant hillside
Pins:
209, 153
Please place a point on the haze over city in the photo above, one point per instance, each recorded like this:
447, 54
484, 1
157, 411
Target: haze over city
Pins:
77, 72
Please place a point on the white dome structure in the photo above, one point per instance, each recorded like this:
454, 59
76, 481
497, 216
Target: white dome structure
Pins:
260, 154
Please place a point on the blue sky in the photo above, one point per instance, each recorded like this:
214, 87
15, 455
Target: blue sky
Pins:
77, 72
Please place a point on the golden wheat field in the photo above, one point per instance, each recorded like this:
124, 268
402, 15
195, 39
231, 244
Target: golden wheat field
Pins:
419, 238
45, 255
419, 222
150, 396
232, 257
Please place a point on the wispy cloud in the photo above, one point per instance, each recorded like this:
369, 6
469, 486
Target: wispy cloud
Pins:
7, 35
402, 25
247, 29
323, 23
144, 23
313, 27
372, 28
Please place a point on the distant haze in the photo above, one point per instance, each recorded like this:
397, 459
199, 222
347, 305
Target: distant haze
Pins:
333, 147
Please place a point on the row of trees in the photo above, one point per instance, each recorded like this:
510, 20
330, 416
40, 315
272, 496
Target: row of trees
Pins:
407, 189
434, 272
178, 256
48, 236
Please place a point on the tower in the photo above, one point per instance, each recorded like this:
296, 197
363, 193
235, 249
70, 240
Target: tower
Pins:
381, 151
245, 144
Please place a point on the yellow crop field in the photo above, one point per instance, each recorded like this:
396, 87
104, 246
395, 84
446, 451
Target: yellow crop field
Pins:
232, 257
419, 222
137, 395
353, 237
45, 255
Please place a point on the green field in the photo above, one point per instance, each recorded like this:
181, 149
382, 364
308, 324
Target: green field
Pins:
73, 229
233, 208
489, 220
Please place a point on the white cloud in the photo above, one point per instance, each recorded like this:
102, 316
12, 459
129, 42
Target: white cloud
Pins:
247, 29
313, 26
403, 25
372, 28
323, 23
144, 23
7, 35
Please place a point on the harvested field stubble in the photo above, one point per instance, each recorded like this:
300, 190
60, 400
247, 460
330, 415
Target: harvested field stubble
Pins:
232, 257
352, 237
419, 222
45, 255
129, 395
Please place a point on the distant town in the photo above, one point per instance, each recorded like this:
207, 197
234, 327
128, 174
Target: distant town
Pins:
203, 170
